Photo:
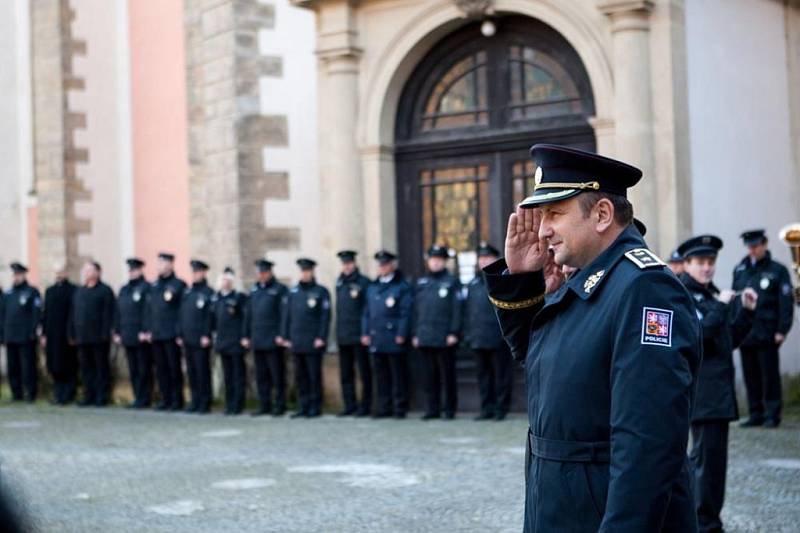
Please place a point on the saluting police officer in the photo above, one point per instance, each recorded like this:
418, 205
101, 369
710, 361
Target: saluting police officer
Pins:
725, 320
22, 309
62, 357
91, 322
385, 329
194, 335
229, 324
129, 332
437, 325
306, 324
351, 294
266, 307
161, 325
773, 320
482, 334
611, 355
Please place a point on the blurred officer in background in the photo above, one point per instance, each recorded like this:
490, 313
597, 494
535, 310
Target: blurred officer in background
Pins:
229, 324
129, 332
62, 357
22, 311
194, 335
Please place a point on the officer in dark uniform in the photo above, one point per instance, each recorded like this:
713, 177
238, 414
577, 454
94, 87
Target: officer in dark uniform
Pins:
90, 324
129, 332
675, 263
306, 324
229, 324
22, 310
351, 295
385, 328
725, 320
62, 357
266, 307
161, 325
482, 334
194, 335
437, 326
759, 350
611, 355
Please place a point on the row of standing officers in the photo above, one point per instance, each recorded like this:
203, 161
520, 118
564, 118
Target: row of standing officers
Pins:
161, 323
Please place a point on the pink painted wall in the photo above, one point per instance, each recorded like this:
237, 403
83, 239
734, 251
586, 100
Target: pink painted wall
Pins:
159, 132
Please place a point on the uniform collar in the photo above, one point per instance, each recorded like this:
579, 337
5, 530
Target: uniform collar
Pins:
350, 277
201, 283
307, 284
693, 285
586, 281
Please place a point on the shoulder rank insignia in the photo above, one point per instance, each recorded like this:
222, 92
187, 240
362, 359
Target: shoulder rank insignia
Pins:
644, 258
592, 280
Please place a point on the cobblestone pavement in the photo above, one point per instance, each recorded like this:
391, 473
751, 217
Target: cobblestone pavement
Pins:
118, 470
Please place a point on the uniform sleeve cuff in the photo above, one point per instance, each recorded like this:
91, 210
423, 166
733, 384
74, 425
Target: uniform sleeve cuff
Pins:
513, 291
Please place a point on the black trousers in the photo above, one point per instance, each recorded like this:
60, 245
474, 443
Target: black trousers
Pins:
169, 373
140, 370
95, 372
271, 373
351, 356
23, 376
710, 458
495, 379
441, 370
62, 362
235, 380
391, 380
198, 368
762, 379
308, 379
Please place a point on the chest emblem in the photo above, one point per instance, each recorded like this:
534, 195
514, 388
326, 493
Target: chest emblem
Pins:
390, 301
200, 303
354, 292
231, 308
657, 326
23, 300
137, 296
168, 296
592, 280
764, 284
312, 303
443, 292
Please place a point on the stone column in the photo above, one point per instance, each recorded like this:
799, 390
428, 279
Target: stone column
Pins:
633, 120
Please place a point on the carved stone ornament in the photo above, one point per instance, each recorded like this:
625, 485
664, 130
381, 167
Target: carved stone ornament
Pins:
475, 8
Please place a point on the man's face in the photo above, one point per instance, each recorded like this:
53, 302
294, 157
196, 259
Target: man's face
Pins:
701, 269
570, 235
384, 269
198, 275
306, 275
676, 267
436, 264
264, 275
226, 284
89, 273
486, 260
164, 267
348, 267
757, 251
18, 277
134, 273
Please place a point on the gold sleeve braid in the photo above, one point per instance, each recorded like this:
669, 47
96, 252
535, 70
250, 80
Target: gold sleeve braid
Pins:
522, 304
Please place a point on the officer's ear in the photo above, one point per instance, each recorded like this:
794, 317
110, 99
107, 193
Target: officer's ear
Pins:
603, 214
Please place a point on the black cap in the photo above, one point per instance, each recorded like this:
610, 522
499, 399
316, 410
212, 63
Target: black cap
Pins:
347, 256
563, 172
753, 237
306, 264
166, 256
228, 270
134, 262
484, 249
198, 265
438, 251
384, 256
18, 268
640, 226
263, 265
675, 257
702, 245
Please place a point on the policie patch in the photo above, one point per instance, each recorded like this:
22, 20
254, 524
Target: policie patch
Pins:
656, 326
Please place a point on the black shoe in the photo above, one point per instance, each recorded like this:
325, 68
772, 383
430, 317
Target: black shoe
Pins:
361, 413
278, 412
85, 403
399, 416
261, 412
449, 416
132, 405
30, 399
500, 416
314, 413
484, 416
203, 410
176, 407
162, 406
299, 414
752, 422
431, 416
101, 403
383, 414
346, 412
771, 423
191, 409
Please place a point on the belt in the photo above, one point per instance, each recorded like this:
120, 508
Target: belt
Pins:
570, 450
